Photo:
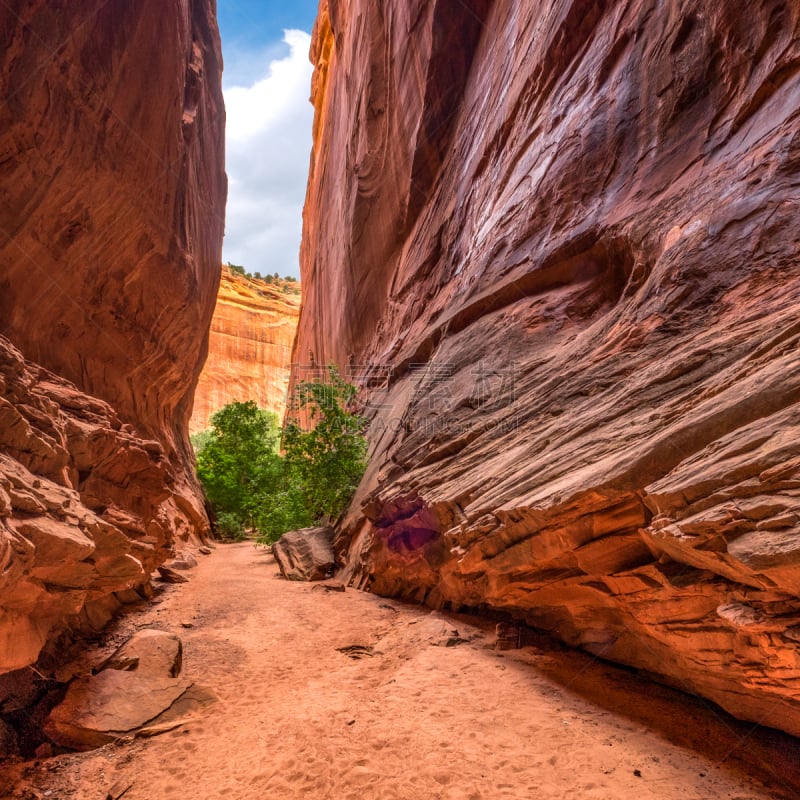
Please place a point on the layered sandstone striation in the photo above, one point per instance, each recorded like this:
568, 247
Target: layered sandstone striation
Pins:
111, 222
87, 510
250, 347
558, 241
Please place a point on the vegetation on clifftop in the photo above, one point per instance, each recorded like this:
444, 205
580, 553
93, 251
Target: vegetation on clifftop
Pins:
287, 284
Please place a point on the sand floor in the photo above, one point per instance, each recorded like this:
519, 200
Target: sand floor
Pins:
421, 707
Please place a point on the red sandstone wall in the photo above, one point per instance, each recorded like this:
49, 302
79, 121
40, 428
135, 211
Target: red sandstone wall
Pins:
111, 223
569, 228
250, 348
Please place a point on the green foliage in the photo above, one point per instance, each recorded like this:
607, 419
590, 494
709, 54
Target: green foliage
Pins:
248, 482
199, 440
240, 460
230, 527
236, 268
327, 461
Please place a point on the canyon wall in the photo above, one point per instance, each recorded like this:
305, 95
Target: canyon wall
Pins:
249, 349
557, 240
111, 224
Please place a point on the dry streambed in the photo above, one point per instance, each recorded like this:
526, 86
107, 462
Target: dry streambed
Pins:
312, 693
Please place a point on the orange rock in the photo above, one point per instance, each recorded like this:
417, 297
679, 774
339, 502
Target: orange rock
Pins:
250, 347
112, 215
74, 530
138, 684
569, 233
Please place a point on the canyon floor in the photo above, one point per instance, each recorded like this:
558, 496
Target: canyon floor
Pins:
325, 694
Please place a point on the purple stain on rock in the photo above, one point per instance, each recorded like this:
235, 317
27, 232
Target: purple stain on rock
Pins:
407, 525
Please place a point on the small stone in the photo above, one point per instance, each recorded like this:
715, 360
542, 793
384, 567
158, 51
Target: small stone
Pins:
44, 750
118, 789
206, 551
171, 576
330, 586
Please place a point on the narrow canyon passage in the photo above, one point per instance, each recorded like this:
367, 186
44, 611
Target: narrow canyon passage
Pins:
328, 694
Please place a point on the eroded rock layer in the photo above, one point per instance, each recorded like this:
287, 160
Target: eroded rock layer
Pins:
111, 222
558, 242
88, 509
250, 347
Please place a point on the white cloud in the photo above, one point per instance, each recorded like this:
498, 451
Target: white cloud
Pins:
268, 149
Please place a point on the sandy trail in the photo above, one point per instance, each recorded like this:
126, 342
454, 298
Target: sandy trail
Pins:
420, 715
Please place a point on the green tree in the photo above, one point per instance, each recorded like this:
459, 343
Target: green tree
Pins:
249, 483
239, 461
326, 461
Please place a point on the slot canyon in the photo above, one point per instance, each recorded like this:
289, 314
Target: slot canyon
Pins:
555, 246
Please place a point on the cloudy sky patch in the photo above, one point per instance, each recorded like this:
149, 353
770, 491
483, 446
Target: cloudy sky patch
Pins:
267, 83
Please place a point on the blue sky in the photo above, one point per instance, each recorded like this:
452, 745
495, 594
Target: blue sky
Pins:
267, 83
262, 20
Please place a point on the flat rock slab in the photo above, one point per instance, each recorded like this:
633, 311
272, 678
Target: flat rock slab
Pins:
170, 575
113, 703
305, 554
138, 685
149, 652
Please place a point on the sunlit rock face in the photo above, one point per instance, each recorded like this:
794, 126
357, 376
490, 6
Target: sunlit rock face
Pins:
558, 243
249, 349
111, 222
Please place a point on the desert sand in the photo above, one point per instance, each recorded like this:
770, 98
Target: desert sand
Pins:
325, 694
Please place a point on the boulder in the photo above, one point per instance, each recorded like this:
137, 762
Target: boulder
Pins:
137, 686
150, 652
305, 555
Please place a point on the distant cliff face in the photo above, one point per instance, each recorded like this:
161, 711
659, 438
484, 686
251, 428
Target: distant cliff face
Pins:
559, 241
111, 222
250, 347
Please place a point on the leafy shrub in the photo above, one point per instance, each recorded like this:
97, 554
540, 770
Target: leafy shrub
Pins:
249, 483
230, 527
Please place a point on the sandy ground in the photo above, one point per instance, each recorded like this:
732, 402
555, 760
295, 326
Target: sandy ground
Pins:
413, 712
